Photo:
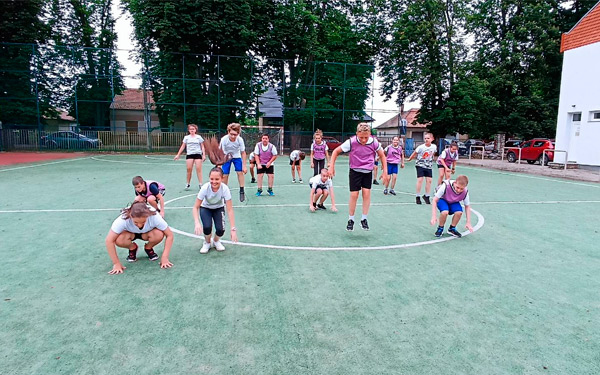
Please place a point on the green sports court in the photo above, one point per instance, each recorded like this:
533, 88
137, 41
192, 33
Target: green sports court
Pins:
298, 294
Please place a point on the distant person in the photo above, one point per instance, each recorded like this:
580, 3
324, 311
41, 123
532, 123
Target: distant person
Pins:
446, 162
447, 199
424, 154
319, 153
362, 148
151, 192
296, 158
395, 156
321, 187
195, 154
252, 167
265, 154
233, 144
138, 222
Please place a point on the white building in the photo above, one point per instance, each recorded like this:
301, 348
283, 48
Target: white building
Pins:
578, 125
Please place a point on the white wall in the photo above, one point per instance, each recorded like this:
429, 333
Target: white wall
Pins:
579, 93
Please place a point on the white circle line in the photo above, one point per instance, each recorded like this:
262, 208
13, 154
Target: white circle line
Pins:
480, 222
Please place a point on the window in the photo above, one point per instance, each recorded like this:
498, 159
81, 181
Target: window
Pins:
526, 144
539, 143
595, 116
576, 117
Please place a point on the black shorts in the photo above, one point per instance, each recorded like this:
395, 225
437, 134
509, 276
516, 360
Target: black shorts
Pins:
193, 156
137, 236
294, 162
360, 180
266, 170
424, 172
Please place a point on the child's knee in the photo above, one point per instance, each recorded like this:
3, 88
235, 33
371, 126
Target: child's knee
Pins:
139, 198
220, 232
207, 230
151, 199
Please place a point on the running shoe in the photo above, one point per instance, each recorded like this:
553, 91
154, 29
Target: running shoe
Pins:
320, 206
270, 191
301, 181
419, 200
350, 226
439, 232
253, 181
293, 181
258, 192
375, 182
364, 224
453, 232
426, 199
242, 196
132, 257
205, 247
187, 187
218, 246
392, 192
151, 254
385, 191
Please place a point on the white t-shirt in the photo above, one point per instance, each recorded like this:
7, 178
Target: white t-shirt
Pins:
439, 193
295, 155
317, 182
235, 148
192, 144
425, 155
265, 148
214, 199
153, 221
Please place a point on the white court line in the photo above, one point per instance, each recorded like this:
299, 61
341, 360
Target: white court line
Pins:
43, 164
163, 159
480, 222
528, 176
130, 162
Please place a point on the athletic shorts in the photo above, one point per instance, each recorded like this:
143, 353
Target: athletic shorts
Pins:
252, 161
424, 172
266, 170
237, 164
294, 162
193, 156
360, 180
137, 236
440, 166
450, 207
319, 186
392, 168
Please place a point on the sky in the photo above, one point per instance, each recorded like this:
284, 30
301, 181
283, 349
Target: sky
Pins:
376, 107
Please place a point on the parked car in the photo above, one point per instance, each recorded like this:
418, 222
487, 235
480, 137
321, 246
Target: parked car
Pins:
332, 143
532, 150
462, 149
490, 146
70, 140
473, 142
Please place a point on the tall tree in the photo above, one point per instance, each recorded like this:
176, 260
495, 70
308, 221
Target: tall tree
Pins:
21, 30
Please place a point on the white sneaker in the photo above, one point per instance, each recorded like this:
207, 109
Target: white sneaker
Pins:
293, 181
205, 247
219, 246
187, 187
301, 181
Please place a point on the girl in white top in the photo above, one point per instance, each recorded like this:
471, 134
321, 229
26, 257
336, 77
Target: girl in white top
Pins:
210, 207
194, 146
138, 222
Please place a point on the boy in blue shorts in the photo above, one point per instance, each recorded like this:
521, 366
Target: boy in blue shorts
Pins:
233, 144
447, 199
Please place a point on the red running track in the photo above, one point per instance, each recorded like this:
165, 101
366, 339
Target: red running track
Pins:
10, 158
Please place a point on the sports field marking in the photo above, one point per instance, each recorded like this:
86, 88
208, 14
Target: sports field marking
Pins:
130, 162
41, 165
480, 222
482, 169
163, 159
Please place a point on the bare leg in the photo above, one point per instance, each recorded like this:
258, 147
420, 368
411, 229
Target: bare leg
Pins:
366, 195
226, 179
443, 217
252, 171
456, 218
240, 176
394, 178
442, 176
352, 202
125, 240
293, 173
155, 236
271, 178
299, 171
324, 196
152, 202
198, 163
419, 184
189, 163
260, 180
427, 185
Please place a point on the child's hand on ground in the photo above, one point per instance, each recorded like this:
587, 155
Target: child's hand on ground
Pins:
198, 229
433, 220
333, 208
234, 236
164, 263
312, 208
117, 269
469, 227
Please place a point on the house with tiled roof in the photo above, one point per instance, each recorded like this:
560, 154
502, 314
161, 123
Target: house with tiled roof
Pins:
578, 123
128, 112
414, 129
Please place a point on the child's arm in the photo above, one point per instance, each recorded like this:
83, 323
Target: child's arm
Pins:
160, 202
203, 151
271, 161
229, 205
434, 210
327, 157
468, 212
333, 208
334, 155
402, 159
196, 215
453, 166
412, 156
164, 259
382, 158
111, 247
311, 196
244, 168
181, 150
312, 158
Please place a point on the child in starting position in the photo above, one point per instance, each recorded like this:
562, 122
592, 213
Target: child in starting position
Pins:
318, 153
446, 161
233, 144
138, 222
265, 154
151, 192
447, 199
296, 158
395, 156
209, 207
252, 163
362, 148
424, 154
321, 187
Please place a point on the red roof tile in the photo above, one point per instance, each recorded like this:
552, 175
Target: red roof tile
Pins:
585, 32
411, 120
132, 99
